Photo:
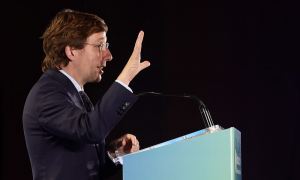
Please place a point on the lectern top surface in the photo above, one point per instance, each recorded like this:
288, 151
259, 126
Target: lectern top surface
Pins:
182, 138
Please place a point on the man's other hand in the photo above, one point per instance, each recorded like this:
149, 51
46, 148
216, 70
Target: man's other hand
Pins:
127, 143
134, 65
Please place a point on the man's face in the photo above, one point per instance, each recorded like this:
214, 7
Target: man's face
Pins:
91, 60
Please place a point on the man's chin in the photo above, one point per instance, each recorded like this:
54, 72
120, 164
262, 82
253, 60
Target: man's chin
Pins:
98, 79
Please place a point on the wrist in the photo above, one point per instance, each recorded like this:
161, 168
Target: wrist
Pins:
123, 80
111, 149
112, 154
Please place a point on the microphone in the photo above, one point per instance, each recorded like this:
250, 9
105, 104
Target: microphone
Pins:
203, 109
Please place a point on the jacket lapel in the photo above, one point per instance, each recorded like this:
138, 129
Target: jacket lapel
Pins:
68, 85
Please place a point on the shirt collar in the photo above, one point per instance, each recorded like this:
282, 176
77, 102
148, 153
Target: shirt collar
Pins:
77, 86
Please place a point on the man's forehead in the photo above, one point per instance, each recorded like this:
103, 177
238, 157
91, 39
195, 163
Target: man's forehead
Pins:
100, 36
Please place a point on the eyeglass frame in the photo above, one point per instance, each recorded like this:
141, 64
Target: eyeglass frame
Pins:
99, 46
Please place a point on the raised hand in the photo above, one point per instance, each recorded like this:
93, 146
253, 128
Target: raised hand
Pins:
134, 65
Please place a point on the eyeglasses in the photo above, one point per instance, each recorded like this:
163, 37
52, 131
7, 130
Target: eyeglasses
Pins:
99, 46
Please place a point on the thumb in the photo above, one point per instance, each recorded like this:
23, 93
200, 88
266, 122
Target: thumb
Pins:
144, 65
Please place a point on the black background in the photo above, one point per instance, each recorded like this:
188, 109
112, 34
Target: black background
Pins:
239, 57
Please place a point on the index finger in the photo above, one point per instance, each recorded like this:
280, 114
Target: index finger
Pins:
138, 43
132, 138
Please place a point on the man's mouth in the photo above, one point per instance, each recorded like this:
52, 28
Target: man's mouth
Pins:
101, 69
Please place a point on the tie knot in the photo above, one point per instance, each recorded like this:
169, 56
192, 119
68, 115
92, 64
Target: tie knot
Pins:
86, 101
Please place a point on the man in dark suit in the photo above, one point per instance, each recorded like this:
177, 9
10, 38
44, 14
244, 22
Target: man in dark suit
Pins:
65, 134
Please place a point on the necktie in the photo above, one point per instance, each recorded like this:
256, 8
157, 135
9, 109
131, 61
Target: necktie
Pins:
86, 101
89, 107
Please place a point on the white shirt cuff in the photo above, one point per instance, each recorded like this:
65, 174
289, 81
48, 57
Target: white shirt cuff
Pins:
111, 158
129, 89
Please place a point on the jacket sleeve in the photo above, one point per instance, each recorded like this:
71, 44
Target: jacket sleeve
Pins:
58, 114
110, 168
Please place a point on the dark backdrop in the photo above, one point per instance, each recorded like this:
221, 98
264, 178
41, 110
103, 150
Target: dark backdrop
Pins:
239, 57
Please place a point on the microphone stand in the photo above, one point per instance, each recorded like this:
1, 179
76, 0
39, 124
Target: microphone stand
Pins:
203, 109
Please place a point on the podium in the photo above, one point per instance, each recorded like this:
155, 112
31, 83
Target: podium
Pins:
202, 155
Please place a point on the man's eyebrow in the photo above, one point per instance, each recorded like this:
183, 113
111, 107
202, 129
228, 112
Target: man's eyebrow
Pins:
103, 38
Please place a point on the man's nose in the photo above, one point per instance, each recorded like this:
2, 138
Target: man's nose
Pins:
107, 55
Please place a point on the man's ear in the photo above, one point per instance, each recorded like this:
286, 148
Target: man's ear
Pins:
70, 53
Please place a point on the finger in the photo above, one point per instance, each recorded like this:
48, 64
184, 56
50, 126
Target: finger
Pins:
135, 148
123, 142
141, 36
138, 43
144, 65
132, 138
137, 143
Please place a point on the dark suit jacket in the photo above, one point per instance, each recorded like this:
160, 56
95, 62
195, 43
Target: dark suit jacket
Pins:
61, 136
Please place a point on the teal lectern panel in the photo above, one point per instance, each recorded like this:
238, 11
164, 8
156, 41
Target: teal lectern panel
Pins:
215, 156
